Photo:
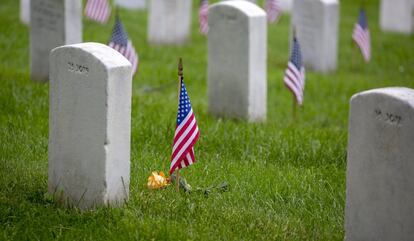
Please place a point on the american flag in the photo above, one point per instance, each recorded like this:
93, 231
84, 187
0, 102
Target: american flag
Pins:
98, 10
203, 16
295, 73
186, 133
362, 37
120, 42
273, 10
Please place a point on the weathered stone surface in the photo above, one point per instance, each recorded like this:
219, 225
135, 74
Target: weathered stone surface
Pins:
169, 21
89, 125
397, 16
316, 23
237, 41
380, 172
25, 11
53, 23
131, 4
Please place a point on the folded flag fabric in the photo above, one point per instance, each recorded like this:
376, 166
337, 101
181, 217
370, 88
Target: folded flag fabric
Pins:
294, 78
98, 10
121, 43
203, 16
186, 133
361, 36
273, 10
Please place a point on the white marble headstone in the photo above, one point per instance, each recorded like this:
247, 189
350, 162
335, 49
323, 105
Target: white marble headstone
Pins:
397, 16
316, 23
25, 11
89, 125
380, 166
131, 4
53, 23
237, 53
169, 21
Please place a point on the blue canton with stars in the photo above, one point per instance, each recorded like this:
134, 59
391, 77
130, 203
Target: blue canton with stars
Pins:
184, 107
119, 35
362, 21
296, 57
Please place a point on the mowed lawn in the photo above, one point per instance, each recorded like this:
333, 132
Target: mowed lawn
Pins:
286, 178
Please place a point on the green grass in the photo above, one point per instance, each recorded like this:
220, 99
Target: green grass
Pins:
287, 180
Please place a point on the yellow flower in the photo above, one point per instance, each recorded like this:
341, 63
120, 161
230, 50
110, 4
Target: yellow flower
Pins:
157, 181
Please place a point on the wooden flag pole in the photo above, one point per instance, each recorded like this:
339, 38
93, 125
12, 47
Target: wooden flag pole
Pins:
293, 108
363, 4
293, 96
180, 77
294, 31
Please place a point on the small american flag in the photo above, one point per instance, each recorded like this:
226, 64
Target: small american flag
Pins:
98, 10
120, 42
273, 10
186, 133
203, 16
295, 73
362, 37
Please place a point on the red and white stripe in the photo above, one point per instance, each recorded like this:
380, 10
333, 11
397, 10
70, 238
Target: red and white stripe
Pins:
128, 52
363, 40
98, 10
273, 10
186, 135
295, 80
203, 17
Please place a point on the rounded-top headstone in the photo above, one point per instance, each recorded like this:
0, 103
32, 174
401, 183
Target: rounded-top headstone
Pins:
397, 16
380, 166
53, 23
237, 41
89, 125
246, 8
169, 21
317, 28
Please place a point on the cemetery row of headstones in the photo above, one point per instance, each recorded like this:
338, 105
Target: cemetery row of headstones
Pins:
89, 145
90, 111
128, 4
90, 107
90, 104
59, 25
90, 118
315, 23
395, 15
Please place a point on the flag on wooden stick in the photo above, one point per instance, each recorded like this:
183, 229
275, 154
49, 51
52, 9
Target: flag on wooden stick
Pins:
273, 10
98, 10
294, 78
121, 43
361, 36
203, 16
186, 131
